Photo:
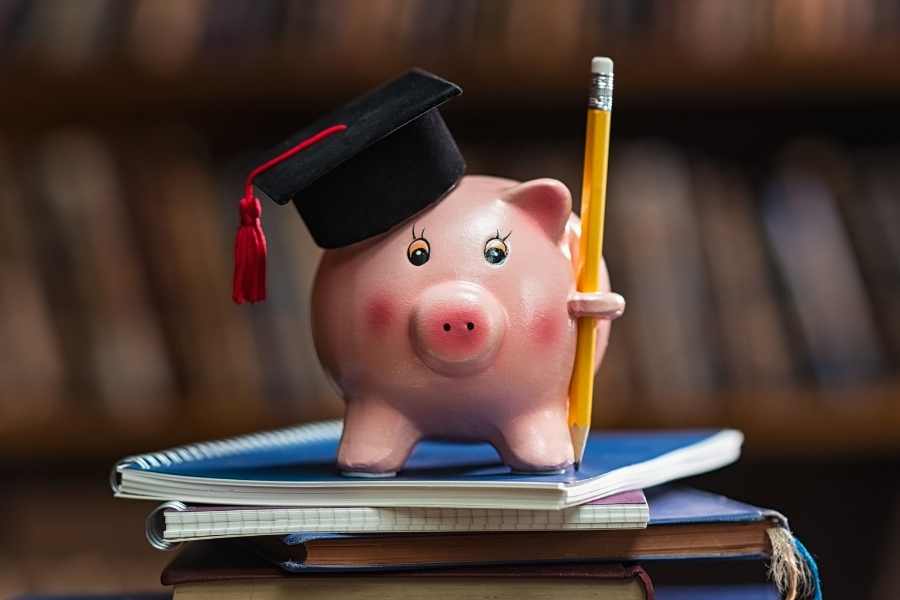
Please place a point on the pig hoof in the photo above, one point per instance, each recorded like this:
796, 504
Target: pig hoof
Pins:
369, 475
539, 472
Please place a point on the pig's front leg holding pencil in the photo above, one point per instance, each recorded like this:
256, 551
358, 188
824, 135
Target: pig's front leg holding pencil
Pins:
602, 306
596, 305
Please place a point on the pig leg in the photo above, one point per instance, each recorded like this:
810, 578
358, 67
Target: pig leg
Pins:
597, 305
538, 441
377, 439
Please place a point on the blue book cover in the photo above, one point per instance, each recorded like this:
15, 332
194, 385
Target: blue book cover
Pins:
718, 592
678, 505
296, 467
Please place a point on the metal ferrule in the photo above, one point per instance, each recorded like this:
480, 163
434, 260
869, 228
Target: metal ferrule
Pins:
601, 92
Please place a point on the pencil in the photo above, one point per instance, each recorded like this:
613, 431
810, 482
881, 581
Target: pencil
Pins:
593, 208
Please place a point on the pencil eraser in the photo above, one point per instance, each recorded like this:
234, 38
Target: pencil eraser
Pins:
601, 65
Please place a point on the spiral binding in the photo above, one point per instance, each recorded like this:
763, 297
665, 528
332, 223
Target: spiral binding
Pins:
310, 432
155, 526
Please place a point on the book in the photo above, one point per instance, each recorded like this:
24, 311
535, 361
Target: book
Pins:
186, 248
873, 218
174, 522
812, 250
718, 592
225, 569
296, 467
684, 523
32, 367
755, 350
656, 263
111, 333
665, 592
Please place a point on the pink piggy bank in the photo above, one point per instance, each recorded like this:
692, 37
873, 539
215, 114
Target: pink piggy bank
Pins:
459, 325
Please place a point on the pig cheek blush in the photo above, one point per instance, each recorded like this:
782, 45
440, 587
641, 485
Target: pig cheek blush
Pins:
545, 328
379, 315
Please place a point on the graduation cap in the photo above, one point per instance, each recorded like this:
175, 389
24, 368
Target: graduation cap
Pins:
354, 173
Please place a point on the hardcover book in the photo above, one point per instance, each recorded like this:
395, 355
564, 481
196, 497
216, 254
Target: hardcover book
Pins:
225, 569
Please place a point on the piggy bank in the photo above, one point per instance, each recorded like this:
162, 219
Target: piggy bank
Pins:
459, 324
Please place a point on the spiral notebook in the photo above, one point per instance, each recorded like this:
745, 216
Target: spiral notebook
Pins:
174, 522
296, 467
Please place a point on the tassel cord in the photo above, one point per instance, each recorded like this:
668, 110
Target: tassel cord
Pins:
250, 247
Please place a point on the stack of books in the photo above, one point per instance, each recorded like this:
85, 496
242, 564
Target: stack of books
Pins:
268, 516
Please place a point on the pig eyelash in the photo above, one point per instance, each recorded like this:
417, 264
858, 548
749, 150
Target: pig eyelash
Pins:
421, 235
497, 236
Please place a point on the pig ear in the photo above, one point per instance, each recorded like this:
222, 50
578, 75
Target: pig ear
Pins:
547, 201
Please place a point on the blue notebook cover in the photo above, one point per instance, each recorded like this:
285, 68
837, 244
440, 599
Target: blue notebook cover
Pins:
296, 467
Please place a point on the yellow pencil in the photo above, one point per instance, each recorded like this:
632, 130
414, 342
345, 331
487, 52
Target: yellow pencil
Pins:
593, 207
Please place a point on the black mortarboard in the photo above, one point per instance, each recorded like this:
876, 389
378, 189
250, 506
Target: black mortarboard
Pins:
356, 172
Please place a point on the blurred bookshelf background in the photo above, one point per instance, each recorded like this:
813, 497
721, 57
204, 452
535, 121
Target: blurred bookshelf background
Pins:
754, 228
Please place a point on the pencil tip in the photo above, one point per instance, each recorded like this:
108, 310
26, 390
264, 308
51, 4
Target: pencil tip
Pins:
579, 441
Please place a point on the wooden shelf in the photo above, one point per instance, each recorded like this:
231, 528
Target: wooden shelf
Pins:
656, 76
857, 422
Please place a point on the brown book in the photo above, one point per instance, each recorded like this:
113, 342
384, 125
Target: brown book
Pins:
183, 22
873, 219
689, 540
188, 246
656, 262
755, 350
113, 336
813, 253
32, 371
227, 569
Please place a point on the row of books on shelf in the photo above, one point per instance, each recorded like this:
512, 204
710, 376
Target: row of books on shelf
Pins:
75, 33
778, 275
116, 254
116, 294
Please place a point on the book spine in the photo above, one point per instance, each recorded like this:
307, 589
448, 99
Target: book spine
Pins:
126, 360
31, 343
812, 250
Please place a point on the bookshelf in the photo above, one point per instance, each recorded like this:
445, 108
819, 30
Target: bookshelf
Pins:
230, 84
115, 88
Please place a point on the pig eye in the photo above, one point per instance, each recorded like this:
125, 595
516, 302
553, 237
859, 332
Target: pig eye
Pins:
418, 252
496, 250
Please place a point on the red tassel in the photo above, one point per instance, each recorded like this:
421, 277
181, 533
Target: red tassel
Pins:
250, 245
250, 254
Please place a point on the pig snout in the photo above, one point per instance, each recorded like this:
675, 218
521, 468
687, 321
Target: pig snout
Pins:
457, 328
